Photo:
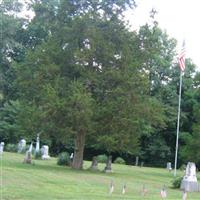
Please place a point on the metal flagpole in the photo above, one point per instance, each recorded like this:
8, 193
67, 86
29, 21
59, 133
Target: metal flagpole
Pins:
178, 122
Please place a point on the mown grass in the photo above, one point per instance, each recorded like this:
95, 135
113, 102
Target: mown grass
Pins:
44, 180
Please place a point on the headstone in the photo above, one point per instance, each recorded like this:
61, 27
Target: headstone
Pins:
136, 161
37, 149
189, 182
142, 164
1, 147
28, 157
45, 152
71, 157
30, 148
21, 145
169, 166
94, 165
111, 187
108, 167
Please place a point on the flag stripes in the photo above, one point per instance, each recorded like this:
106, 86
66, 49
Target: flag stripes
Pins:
181, 58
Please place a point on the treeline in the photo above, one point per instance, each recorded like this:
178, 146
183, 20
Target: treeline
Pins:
81, 78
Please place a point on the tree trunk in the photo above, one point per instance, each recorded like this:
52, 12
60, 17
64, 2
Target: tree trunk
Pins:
79, 149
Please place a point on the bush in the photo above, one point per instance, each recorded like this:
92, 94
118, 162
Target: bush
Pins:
183, 167
102, 158
11, 147
120, 160
176, 183
63, 159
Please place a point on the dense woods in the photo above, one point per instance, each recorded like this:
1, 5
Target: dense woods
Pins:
81, 78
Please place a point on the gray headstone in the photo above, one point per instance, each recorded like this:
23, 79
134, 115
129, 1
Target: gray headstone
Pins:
21, 145
28, 157
94, 165
136, 161
108, 167
189, 182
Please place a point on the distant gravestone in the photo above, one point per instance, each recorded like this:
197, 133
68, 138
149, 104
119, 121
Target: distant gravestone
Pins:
94, 165
136, 161
108, 167
71, 157
169, 166
45, 152
21, 145
30, 148
37, 148
189, 182
28, 157
1, 147
142, 164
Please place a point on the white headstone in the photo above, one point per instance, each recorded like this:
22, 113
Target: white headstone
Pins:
169, 166
30, 148
45, 152
37, 149
21, 145
189, 182
1, 147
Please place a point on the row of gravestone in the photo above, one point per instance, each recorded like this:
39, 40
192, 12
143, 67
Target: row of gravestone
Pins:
189, 182
44, 150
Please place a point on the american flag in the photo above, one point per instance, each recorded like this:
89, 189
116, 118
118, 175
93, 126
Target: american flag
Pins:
181, 58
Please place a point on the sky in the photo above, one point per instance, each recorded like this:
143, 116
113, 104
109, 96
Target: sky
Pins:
180, 19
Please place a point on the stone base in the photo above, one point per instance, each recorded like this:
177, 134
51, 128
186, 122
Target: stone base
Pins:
44, 157
190, 186
108, 170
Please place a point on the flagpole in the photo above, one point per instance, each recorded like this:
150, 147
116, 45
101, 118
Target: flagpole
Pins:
178, 122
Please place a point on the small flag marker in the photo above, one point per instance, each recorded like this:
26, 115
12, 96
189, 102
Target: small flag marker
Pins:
163, 193
111, 187
124, 189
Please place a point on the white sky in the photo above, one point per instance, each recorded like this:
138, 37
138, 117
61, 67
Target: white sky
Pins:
180, 18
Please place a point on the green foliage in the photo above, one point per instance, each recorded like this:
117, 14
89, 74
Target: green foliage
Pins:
38, 155
176, 182
63, 159
120, 160
102, 158
9, 129
11, 147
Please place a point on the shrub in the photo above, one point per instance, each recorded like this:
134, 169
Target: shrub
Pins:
183, 167
176, 183
63, 159
120, 160
102, 158
11, 147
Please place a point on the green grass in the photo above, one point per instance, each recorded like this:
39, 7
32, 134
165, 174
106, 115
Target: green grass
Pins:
44, 180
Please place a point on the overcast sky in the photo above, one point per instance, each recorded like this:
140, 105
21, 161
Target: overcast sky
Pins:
180, 18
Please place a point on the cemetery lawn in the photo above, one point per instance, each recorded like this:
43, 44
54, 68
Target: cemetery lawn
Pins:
45, 180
